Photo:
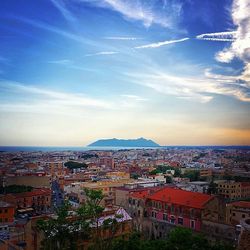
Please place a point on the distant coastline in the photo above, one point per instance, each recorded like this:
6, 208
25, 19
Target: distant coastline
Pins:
54, 148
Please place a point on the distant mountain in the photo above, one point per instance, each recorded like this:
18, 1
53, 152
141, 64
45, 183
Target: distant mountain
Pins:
140, 142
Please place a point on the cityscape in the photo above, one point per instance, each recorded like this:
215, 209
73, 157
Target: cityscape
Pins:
124, 125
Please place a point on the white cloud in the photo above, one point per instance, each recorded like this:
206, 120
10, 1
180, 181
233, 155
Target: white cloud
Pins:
159, 44
121, 38
61, 6
240, 47
200, 88
61, 62
148, 12
134, 97
226, 36
102, 53
49, 99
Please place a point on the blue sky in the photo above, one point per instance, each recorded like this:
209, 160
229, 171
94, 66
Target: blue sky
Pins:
175, 71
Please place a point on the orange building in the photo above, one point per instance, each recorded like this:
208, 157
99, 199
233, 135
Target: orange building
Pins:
107, 162
38, 200
7, 212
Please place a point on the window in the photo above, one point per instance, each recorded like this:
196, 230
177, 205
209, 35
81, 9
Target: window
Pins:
243, 215
165, 217
192, 212
6, 211
172, 219
159, 205
192, 224
180, 221
153, 214
172, 208
180, 210
233, 214
166, 206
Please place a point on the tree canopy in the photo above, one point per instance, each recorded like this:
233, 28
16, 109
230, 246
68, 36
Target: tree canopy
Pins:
15, 189
179, 239
74, 165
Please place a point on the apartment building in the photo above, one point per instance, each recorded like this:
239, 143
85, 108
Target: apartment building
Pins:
237, 211
36, 201
176, 207
107, 162
7, 212
229, 189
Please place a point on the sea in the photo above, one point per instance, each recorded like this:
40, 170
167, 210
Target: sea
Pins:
56, 149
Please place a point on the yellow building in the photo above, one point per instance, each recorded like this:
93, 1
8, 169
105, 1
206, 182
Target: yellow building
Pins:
118, 175
107, 187
206, 172
229, 189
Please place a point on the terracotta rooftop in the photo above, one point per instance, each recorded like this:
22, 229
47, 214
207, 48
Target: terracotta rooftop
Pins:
181, 197
141, 194
245, 184
35, 192
245, 204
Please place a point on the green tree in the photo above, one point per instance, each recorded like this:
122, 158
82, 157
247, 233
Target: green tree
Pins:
62, 231
193, 175
15, 189
59, 232
212, 188
169, 179
75, 165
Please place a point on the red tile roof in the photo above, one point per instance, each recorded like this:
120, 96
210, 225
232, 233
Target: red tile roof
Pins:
245, 184
35, 192
245, 204
181, 197
144, 192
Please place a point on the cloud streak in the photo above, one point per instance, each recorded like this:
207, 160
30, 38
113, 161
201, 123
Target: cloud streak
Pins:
226, 36
240, 48
55, 98
201, 88
148, 12
159, 44
125, 38
61, 6
103, 53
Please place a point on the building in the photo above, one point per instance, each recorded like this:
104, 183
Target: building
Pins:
7, 212
108, 189
245, 190
159, 212
37, 180
206, 172
136, 207
107, 162
233, 190
55, 168
237, 211
244, 236
32, 237
36, 201
229, 189
172, 206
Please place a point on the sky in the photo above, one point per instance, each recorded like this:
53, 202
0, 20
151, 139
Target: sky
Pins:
174, 71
